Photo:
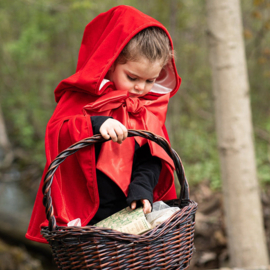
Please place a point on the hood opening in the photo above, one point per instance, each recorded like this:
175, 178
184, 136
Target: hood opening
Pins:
103, 40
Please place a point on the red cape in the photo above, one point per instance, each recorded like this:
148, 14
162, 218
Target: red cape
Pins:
74, 188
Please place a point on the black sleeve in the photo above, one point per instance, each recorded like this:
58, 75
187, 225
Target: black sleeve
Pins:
145, 174
97, 121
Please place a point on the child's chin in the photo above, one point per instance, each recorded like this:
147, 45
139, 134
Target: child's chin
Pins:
133, 95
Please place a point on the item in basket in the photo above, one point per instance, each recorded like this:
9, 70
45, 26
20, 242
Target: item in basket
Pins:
127, 221
161, 212
75, 222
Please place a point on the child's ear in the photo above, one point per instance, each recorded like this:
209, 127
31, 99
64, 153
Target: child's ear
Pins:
112, 67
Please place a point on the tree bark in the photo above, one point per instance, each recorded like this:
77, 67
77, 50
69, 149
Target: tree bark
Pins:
6, 154
173, 18
243, 211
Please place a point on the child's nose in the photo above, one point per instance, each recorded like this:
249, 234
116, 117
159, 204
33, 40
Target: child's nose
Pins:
140, 86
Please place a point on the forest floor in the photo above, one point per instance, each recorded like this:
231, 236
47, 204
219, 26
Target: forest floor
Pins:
211, 250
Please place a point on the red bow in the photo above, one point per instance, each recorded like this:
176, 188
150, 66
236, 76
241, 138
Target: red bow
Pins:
116, 160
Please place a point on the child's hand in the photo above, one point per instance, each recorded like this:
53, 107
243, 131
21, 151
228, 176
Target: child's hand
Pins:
147, 208
113, 129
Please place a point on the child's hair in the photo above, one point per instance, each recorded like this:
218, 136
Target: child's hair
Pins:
152, 43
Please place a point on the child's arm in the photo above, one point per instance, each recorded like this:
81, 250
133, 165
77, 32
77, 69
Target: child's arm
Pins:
145, 174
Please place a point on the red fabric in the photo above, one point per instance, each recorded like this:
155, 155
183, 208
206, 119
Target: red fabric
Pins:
139, 114
74, 188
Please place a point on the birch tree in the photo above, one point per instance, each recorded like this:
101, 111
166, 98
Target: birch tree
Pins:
244, 221
6, 155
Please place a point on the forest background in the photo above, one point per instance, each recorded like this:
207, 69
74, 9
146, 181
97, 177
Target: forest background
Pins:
40, 41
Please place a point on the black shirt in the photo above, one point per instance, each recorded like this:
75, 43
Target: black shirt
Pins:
145, 174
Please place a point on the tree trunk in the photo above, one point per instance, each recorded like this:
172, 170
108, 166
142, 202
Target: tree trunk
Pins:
173, 19
244, 220
6, 154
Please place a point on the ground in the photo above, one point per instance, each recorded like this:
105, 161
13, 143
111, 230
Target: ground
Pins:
210, 231
210, 235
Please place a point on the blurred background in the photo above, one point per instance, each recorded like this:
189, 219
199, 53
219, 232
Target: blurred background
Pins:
40, 41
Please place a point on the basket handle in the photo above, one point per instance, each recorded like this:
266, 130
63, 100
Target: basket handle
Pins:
46, 189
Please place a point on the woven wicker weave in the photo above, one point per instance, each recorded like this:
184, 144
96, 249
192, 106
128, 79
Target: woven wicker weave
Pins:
167, 246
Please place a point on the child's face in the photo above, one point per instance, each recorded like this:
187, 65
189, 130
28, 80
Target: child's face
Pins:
135, 77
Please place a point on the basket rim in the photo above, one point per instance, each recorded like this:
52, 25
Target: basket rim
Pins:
62, 232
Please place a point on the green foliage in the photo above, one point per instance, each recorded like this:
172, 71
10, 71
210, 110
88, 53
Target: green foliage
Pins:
40, 43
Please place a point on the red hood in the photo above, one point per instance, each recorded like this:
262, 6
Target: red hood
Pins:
103, 40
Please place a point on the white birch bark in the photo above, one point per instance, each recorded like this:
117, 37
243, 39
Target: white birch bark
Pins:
244, 220
6, 154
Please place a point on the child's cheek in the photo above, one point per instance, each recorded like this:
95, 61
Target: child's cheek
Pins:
126, 85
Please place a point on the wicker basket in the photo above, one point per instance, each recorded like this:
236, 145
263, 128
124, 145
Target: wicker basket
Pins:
167, 246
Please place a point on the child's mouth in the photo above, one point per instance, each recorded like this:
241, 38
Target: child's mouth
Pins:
134, 95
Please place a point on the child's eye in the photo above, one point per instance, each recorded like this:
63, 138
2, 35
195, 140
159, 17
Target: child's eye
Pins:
130, 78
148, 81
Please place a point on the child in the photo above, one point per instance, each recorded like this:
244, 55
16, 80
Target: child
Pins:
124, 78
